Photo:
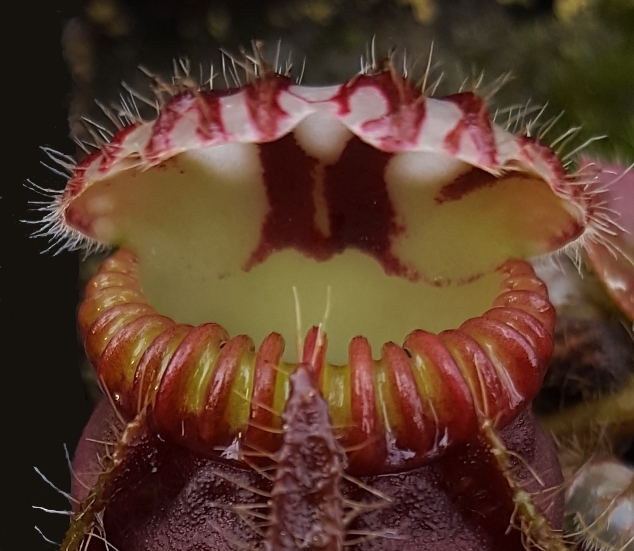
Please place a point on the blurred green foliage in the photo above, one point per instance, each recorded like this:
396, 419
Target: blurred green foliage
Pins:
584, 66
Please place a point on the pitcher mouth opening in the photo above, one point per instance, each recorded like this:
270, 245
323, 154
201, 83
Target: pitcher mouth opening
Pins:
412, 210
205, 387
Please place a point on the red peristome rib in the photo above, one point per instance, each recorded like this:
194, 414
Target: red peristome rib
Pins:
258, 436
528, 326
478, 373
213, 423
124, 261
152, 368
367, 448
110, 323
448, 392
417, 430
438, 386
102, 300
518, 367
525, 282
119, 360
111, 279
196, 356
536, 305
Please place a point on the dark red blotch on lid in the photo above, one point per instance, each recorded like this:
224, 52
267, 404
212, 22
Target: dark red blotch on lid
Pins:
290, 223
359, 210
361, 213
470, 181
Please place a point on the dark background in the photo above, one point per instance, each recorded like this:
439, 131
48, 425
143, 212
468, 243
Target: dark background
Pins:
581, 67
43, 403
